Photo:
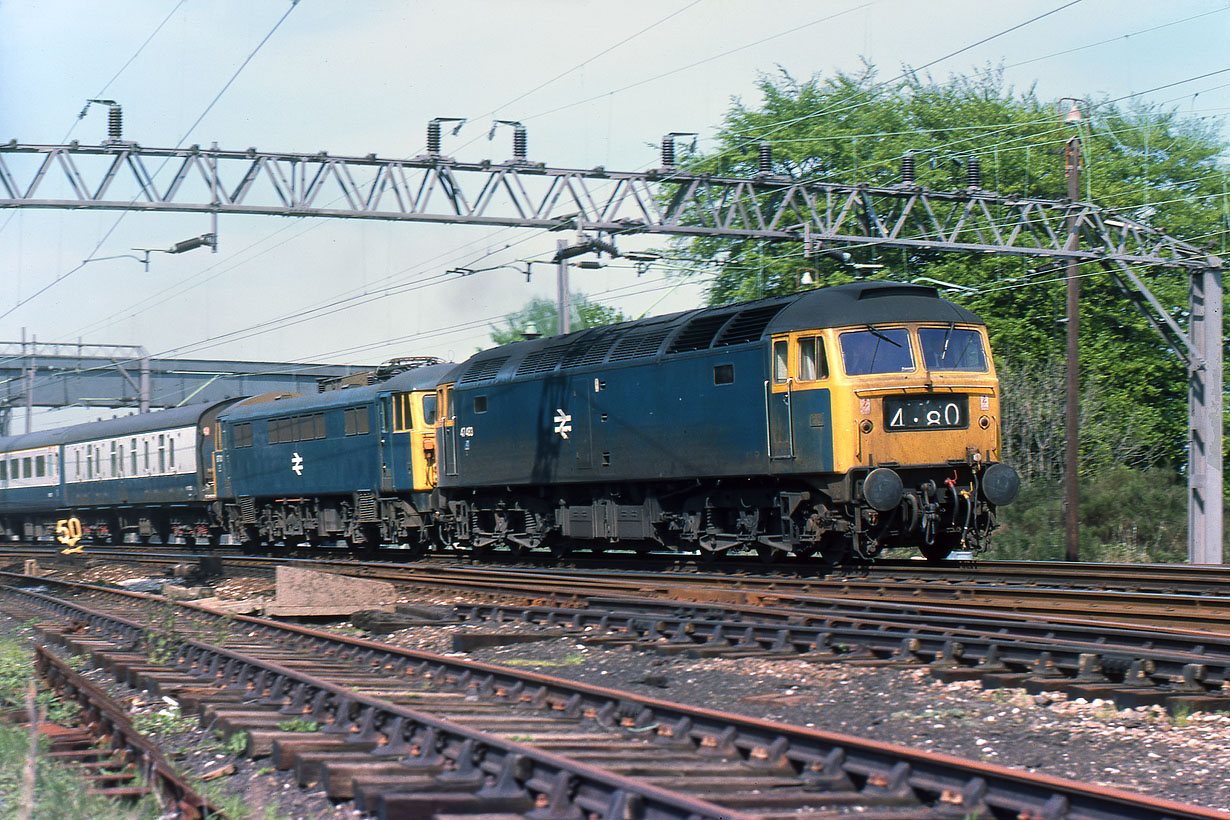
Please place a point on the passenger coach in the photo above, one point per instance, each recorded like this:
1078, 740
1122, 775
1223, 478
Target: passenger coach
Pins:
148, 474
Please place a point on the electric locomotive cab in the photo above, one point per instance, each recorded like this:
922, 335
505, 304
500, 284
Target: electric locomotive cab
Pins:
915, 428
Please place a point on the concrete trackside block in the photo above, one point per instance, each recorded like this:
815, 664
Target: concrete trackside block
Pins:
305, 592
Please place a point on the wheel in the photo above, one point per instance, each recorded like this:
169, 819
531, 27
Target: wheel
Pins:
939, 549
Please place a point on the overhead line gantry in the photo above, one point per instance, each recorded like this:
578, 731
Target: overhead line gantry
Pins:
669, 200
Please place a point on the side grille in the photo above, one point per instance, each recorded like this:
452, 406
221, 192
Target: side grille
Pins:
247, 509
365, 505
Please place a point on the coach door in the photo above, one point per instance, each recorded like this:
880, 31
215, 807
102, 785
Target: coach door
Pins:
777, 391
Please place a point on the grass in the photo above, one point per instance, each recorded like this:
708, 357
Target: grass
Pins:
59, 792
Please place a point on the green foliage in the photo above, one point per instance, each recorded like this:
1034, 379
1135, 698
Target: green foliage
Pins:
166, 721
298, 724
58, 791
162, 639
1145, 161
544, 315
16, 671
1129, 516
236, 744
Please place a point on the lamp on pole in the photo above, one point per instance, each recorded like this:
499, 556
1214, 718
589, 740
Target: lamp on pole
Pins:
564, 252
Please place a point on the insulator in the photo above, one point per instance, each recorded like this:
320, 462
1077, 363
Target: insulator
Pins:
433, 137
973, 172
668, 151
907, 168
519, 142
115, 123
764, 157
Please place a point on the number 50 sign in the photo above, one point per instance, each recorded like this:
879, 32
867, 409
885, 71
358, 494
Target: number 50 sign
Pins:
68, 533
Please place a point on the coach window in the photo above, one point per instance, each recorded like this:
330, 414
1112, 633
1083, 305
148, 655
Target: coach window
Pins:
113, 469
171, 451
812, 362
4, 470
429, 409
162, 454
132, 451
147, 455
27, 467
781, 353
480, 404
40, 466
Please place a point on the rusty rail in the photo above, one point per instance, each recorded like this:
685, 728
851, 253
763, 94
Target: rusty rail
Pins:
557, 786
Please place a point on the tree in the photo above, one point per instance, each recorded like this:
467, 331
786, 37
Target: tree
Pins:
1143, 160
543, 314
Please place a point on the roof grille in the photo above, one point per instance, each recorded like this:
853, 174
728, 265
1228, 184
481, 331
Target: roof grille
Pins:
748, 325
583, 355
639, 346
698, 333
540, 361
483, 371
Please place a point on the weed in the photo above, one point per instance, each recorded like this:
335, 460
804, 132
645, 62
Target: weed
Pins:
162, 639
522, 738
264, 770
168, 721
219, 630
1180, 712
298, 724
59, 792
236, 744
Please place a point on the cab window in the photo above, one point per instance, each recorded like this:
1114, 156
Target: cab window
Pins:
813, 364
429, 409
948, 348
873, 350
781, 351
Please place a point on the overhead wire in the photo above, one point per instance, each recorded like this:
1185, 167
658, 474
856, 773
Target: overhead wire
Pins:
107, 84
123, 214
986, 39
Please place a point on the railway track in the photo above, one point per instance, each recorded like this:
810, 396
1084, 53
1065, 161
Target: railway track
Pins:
1179, 597
411, 734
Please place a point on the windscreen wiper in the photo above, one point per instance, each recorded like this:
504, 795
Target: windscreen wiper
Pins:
879, 334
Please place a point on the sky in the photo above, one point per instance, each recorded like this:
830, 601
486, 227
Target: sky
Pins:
595, 83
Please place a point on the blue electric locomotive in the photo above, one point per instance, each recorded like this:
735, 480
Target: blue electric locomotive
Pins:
355, 463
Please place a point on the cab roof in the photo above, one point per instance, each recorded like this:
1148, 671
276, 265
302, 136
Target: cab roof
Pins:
859, 303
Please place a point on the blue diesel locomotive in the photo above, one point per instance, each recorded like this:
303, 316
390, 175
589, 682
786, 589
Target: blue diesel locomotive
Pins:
837, 421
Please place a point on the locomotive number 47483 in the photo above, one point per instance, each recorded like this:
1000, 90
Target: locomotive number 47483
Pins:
926, 412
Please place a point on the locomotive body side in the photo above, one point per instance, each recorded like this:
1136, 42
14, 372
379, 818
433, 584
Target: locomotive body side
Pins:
755, 426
